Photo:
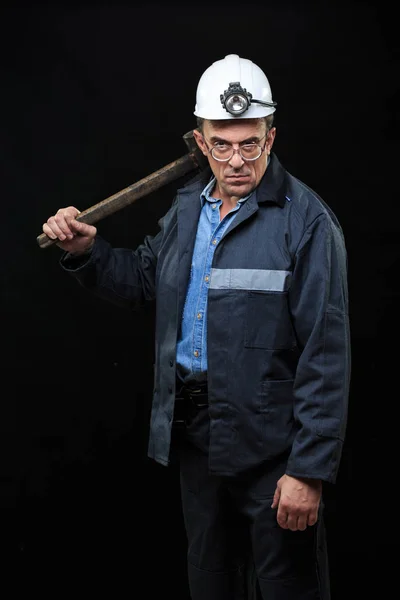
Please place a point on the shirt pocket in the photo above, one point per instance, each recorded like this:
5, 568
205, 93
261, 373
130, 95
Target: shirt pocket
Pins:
267, 321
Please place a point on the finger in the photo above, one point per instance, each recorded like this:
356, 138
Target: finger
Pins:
64, 217
61, 219
48, 231
72, 211
282, 518
55, 229
292, 522
302, 523
312, 518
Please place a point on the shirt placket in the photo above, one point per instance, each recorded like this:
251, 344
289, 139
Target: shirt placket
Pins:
200, 332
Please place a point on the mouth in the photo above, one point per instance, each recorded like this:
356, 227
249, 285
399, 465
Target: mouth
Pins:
237, 178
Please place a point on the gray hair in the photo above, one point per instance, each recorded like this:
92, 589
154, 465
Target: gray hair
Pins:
269, 120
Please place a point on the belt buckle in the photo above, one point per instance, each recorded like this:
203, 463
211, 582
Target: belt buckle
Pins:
192, 397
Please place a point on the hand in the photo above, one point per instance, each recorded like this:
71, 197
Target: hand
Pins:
73, 236
297, 501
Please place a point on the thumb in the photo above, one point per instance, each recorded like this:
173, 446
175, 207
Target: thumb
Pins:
277, 496
83, 228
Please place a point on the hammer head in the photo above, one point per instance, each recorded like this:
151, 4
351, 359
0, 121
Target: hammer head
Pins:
195, 152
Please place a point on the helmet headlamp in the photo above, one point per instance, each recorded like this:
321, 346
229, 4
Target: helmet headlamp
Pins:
236, 99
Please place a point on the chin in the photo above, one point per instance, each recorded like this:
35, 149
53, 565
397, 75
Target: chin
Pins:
243, 188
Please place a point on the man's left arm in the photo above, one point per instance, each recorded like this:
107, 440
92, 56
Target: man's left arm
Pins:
318, 302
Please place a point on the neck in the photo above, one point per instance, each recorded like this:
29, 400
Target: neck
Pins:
230, 201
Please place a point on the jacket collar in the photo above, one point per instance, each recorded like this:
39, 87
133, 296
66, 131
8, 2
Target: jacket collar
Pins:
271, 187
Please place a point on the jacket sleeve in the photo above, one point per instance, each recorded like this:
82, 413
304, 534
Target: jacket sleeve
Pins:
318, 301
122, 276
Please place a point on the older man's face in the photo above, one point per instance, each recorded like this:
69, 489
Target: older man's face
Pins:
237, 177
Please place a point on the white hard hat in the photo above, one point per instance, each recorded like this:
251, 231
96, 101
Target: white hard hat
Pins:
233, 88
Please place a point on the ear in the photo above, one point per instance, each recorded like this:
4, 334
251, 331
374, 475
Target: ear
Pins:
270, 139
200, 141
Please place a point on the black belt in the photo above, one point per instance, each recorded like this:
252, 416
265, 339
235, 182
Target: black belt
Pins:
194, 393
189, 397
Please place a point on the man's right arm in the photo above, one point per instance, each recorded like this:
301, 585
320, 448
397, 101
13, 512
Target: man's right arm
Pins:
123, 276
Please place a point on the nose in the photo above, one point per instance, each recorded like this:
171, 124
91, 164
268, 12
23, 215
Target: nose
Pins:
236, 160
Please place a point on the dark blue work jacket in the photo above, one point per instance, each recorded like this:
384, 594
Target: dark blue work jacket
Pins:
278, 329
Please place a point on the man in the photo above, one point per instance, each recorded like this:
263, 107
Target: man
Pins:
252, 351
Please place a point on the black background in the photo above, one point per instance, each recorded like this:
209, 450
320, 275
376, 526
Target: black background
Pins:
94, 97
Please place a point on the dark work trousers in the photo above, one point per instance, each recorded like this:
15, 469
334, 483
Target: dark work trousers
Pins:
236, 549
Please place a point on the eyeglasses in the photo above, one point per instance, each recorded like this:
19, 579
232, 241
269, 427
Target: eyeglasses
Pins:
224, 152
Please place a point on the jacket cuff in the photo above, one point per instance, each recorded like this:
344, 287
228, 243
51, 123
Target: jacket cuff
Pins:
69, 262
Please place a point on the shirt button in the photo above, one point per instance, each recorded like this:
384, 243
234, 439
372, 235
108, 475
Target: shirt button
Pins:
199, 315
170, 389
171, 363
214, 242
214, 206
206, 278
196, 353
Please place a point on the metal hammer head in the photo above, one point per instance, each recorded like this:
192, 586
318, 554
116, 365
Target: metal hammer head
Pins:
195, 151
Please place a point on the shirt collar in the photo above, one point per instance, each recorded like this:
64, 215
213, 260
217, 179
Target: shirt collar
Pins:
206, 193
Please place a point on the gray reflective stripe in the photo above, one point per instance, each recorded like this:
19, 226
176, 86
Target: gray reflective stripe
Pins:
265, 280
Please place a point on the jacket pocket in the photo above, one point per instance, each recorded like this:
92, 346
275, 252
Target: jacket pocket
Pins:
268, 322
270, 430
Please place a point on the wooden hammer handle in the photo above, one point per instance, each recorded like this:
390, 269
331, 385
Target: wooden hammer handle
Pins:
174, 170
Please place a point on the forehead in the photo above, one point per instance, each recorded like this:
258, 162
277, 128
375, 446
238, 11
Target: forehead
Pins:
235, 130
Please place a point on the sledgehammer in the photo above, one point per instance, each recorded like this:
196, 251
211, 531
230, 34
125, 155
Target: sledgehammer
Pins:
193, 160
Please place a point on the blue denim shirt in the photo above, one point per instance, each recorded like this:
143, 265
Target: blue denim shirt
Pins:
191, 354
